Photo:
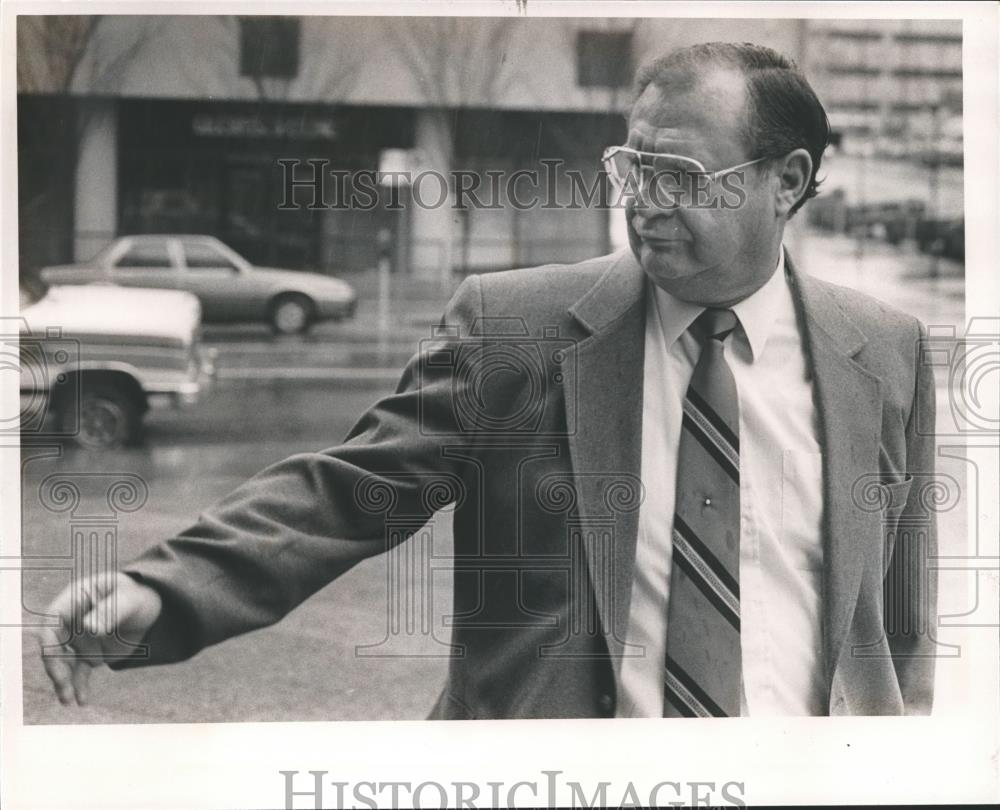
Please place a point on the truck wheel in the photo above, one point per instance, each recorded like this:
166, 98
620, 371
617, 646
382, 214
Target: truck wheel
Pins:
291, 314
109, 417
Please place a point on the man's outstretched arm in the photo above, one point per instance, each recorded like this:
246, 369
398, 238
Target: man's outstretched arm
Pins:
279, 537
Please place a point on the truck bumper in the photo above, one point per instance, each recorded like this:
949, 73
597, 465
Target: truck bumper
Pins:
200, 379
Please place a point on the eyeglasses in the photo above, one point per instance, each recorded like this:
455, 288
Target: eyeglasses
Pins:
666, 175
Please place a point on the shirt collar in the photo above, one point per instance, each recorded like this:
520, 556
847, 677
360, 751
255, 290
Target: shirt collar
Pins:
757, 313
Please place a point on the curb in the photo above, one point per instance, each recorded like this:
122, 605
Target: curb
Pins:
344, 374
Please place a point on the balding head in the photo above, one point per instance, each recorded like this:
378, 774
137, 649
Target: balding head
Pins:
710, 109
780, 111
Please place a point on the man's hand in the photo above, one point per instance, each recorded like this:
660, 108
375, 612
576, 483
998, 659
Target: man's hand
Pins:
109, 607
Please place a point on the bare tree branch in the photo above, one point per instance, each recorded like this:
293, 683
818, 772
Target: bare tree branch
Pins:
331, 67
446, 57
110, 76
50, 50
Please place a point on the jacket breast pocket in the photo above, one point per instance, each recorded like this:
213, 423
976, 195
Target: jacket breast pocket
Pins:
802, 508
896, 494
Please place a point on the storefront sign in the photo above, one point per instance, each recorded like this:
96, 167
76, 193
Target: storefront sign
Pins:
225, 125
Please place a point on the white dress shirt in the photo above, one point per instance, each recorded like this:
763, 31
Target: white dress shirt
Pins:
781, 551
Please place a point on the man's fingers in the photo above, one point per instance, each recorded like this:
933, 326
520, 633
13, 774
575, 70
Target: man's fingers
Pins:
81, 681
92, 614
68, 662
56, 658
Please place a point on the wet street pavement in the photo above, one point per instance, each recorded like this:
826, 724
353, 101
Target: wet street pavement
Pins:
932, 289
275, 397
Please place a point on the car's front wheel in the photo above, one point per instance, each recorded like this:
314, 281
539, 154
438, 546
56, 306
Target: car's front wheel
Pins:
291, 314
108, 417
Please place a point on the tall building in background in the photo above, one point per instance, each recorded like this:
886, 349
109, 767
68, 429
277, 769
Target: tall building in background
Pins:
892, 88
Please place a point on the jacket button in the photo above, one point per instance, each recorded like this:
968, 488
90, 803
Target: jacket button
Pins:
606, 704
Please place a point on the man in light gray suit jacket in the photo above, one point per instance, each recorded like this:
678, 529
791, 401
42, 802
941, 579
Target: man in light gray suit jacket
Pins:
685, 475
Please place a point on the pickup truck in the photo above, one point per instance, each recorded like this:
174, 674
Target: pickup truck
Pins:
92, 357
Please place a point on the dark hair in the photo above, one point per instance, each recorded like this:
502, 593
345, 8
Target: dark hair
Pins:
783, 112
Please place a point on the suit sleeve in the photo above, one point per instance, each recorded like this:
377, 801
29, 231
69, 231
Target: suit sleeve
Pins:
300, 523
911, 579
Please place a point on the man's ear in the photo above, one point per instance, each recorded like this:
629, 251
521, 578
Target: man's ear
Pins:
793, 172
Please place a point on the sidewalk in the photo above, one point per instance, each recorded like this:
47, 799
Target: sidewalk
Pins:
364, 350
900, 276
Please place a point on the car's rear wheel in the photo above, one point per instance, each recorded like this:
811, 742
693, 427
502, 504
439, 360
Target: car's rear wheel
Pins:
108, 417
291, 314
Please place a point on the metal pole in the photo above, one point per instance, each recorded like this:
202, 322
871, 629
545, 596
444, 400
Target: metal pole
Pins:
384, 288
934, 180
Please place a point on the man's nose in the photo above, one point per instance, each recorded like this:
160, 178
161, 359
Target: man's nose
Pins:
647, 205
656, 196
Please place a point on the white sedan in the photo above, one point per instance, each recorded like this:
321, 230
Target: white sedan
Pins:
229, 287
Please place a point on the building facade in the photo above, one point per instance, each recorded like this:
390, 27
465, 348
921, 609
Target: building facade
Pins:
190, 124
893, 89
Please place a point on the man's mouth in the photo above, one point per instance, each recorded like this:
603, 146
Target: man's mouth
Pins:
655, 239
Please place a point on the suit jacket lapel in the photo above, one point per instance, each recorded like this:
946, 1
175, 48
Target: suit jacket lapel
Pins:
850, 411
603, 379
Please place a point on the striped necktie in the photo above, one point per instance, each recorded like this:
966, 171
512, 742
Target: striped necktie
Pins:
703, 655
